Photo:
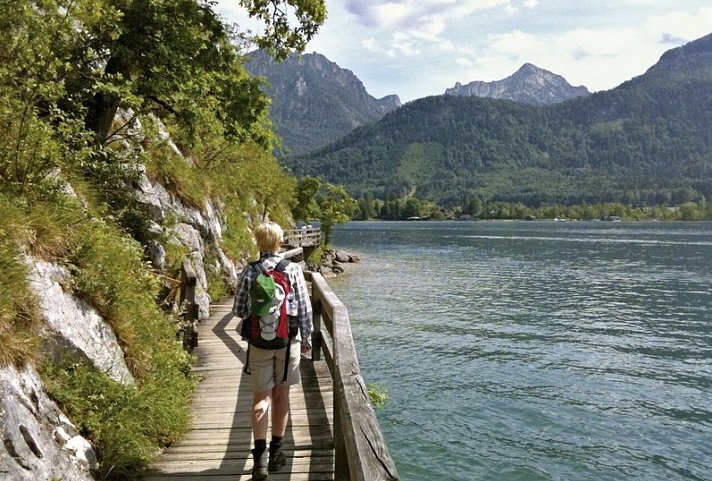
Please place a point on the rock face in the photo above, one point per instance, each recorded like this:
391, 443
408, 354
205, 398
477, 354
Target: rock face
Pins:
314, 101
530, 85
73, 327
199, 231
40, 443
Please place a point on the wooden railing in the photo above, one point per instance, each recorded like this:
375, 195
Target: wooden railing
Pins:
360, 449
305, 237
188, 305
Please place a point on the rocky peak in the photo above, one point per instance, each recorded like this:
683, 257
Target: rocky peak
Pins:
530, 84
314, 100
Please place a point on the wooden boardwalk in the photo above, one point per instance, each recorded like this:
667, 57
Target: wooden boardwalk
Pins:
217, 446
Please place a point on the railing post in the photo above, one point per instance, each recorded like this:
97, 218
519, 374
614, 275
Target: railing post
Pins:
189, 281
342, 471
317, 338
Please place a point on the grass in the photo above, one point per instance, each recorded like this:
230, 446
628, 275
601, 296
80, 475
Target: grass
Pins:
126, 424
19, 316
164, 166
42, 231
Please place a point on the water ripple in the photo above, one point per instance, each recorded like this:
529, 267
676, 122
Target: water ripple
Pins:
535, 351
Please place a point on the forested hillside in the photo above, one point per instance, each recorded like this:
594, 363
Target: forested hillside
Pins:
649, 141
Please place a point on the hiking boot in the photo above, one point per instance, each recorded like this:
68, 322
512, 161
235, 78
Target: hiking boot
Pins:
259, 469
277, 459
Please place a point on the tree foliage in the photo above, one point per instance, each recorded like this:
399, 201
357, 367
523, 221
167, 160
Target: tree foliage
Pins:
280, 36
335, 207
307, 207
89, 91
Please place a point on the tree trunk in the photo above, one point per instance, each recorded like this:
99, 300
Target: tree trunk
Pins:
102, 108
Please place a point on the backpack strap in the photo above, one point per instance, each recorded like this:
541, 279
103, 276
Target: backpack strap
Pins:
246, 369
287, 355
282, 265
258, 267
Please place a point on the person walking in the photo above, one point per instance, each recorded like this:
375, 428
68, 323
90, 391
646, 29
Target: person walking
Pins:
273, 371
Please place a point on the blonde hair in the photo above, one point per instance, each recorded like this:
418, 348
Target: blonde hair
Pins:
268, 236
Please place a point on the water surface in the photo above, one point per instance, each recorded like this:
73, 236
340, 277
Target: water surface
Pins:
537, 350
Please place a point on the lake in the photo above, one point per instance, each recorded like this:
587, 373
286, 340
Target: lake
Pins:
537, 350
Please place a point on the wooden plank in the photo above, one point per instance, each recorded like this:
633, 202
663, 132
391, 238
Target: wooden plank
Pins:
246, 476
244, 454
218, 443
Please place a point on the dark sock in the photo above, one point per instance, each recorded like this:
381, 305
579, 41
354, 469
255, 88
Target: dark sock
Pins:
260, 445
276, 442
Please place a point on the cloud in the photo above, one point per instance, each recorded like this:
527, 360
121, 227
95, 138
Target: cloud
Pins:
407, 28
598, 58
424, 19
371, 44
403, 44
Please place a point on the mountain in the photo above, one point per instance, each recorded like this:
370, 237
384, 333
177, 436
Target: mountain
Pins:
314, 101
530, 85
648, 141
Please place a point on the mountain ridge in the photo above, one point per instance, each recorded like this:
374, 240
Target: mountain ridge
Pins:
314, 100
646, 141
529, 84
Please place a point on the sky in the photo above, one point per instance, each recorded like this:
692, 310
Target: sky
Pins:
417, 48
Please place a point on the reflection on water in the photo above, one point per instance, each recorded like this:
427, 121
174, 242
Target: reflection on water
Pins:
537, 350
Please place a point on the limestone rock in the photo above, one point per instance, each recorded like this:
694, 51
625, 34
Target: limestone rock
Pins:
342, 256
39, 442
72, 326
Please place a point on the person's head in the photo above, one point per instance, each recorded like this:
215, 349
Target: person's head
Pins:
268, 236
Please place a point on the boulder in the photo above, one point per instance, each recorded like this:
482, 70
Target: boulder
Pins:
342, 256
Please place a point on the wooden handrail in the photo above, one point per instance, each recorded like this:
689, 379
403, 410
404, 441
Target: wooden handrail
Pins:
361, 453
303, 237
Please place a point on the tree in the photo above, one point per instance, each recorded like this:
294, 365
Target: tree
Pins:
412, 208
280, 36
177, 57
307, 207
336, 207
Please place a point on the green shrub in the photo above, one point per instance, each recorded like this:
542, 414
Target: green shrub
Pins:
125, 424
378, 395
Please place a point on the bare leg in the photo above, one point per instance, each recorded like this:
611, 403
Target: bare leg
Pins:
280, 410
260, 414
